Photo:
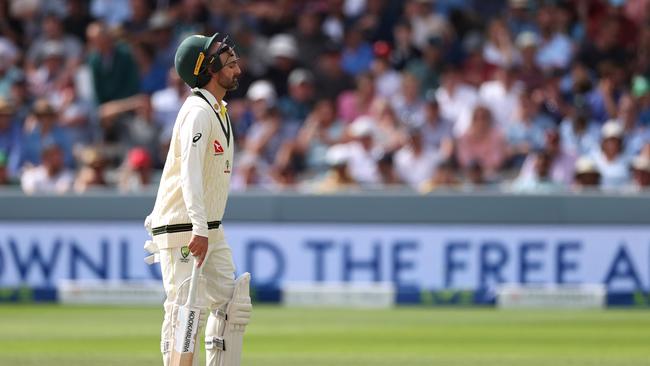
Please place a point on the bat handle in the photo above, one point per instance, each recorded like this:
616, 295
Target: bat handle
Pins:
196, 271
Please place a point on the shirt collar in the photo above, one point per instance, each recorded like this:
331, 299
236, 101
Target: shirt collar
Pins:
213, 101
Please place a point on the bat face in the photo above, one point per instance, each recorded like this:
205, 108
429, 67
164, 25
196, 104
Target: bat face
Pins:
185, 336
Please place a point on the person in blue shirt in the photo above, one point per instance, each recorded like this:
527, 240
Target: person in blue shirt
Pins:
41, 129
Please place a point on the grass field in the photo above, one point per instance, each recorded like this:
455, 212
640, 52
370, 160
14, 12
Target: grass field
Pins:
55, 335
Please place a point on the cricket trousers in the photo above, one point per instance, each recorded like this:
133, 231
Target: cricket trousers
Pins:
215, 289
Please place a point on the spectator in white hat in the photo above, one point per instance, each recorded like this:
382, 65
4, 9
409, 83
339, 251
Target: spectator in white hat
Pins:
641, 173
283, 53
262, 138
587, 176
612, 164
338, 177
363, 152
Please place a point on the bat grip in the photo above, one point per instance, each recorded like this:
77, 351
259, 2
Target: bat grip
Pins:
196, 271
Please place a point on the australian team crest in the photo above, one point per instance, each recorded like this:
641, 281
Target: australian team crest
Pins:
185, 253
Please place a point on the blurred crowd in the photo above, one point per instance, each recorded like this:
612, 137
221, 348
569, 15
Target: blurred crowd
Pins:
517, 95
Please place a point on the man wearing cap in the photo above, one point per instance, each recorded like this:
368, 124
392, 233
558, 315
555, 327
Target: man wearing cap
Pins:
610, 160
587, 176
641, 173
191, 202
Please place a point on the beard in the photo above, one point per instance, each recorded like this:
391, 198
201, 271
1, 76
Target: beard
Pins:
229, 85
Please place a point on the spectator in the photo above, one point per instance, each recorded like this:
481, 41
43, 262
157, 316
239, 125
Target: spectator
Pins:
74, 113
502, 95
424, 22
389, 130
604, 46
540, 181
579, 135
362, 152
283, 51
474, 178
42, 129
334, 19
138, 21
612, 164
264, 137
428, 68
9, 73
641, 174
331, 80
49, 76
529, 72
51, 176
54, 33
357, 52
555, 49
387, 172
404, 50
562, 161
587, 176
528, 130
115, 12
445, 177
387, 79
296, 105
483, 142
635, 135
309, 37
602, 100
416, 162
408, 104
161, 37
518, 17
249, 173
338, 177
77, 19
355, 103
127, 122
474, 68
9, 130
152, 72
167, 102
320, 131
20, 97
499, 49
455, 98
437, 131
91, 174
136, 171
113, 69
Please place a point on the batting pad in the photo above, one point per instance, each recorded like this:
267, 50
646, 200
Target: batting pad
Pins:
225, 331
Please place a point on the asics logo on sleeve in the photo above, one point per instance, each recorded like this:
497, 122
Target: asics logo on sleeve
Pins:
196, 137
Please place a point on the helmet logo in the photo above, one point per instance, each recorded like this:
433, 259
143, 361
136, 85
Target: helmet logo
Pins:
199, 61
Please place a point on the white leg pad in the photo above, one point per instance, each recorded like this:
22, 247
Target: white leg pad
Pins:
225, 331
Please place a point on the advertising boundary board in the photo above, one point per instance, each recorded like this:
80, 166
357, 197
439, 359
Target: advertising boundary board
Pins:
429, 264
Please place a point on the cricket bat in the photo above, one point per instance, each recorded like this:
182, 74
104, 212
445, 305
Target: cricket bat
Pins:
187, 324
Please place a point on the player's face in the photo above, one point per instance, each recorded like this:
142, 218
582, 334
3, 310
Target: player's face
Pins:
228, 76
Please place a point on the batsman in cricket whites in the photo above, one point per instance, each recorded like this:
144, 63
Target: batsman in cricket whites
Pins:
185, 224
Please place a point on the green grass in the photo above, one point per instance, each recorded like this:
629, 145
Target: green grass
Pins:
55, 335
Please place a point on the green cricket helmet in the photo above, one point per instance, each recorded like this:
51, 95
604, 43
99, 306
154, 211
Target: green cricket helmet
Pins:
192, 59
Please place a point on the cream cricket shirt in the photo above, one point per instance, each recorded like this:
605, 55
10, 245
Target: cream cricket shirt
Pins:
196, 178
